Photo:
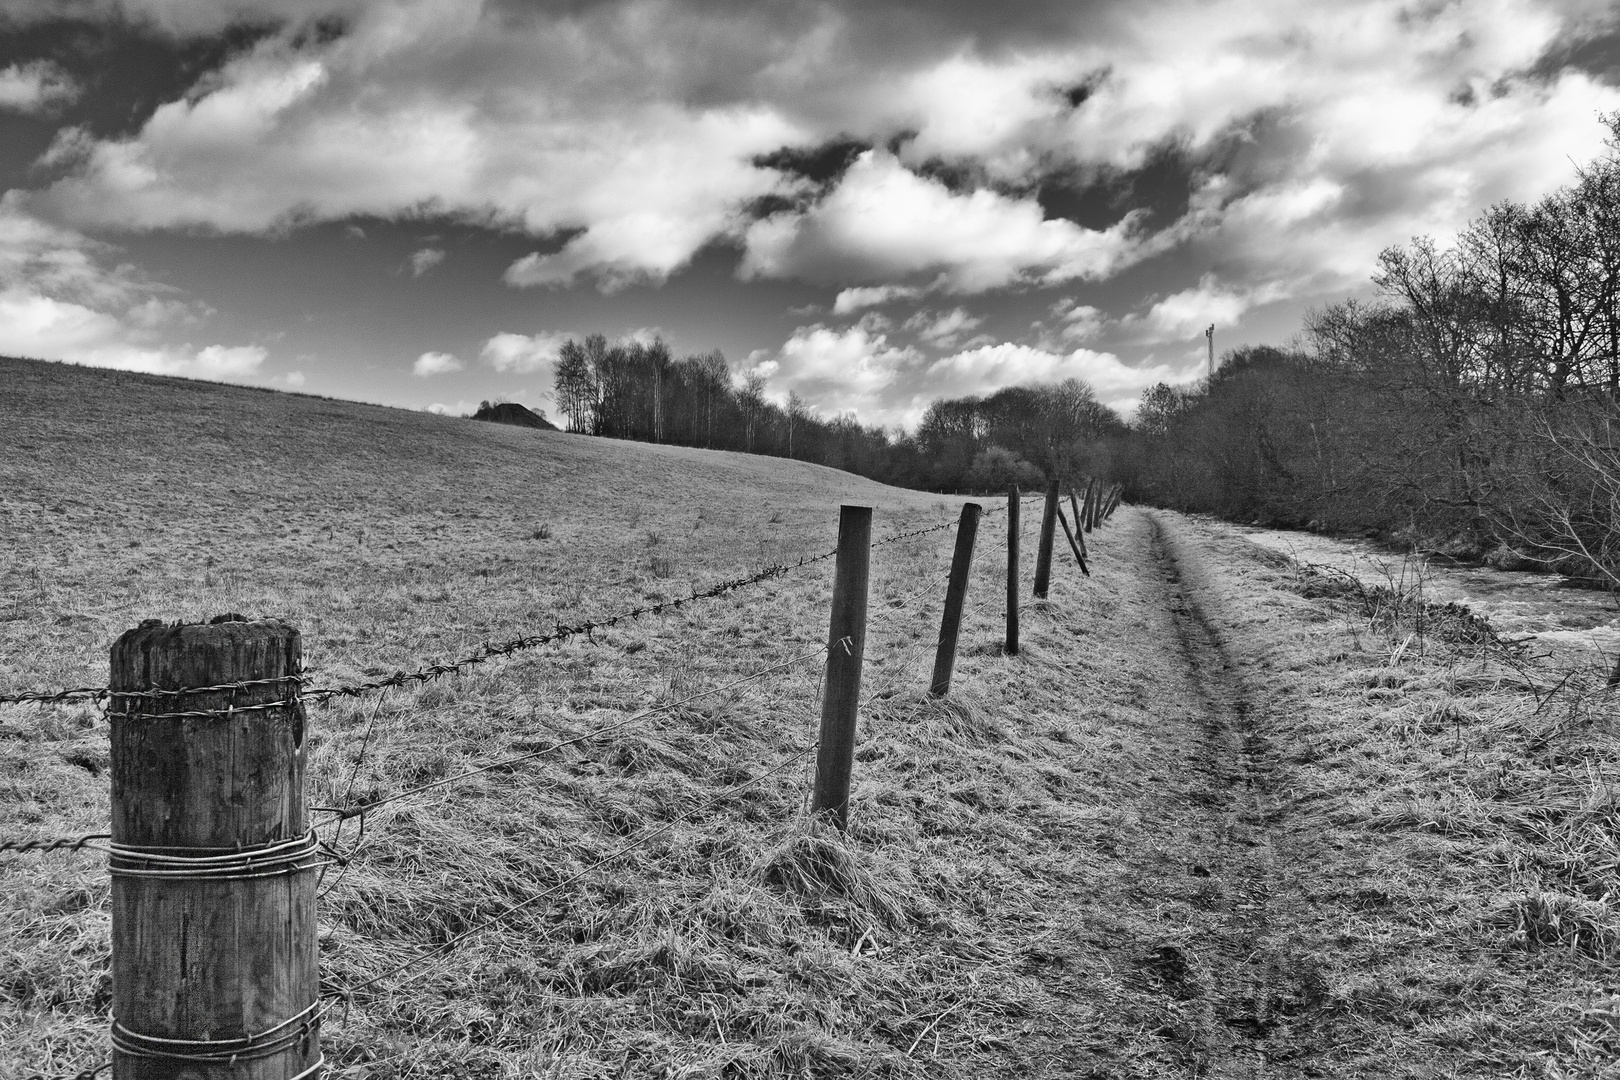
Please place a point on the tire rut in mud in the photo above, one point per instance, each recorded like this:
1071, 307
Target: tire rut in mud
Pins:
1256, 996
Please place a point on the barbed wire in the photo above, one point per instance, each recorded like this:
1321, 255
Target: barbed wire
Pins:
484, 654
428, 673
435, 954
61, 843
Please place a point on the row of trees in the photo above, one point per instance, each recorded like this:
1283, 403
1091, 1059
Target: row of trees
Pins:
639, 390
1468, 405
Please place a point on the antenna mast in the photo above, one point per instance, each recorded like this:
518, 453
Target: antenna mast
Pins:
1209, 335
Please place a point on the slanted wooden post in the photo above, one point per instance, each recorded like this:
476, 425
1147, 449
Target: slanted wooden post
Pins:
1091, 504
846, 646
950, 623
1013, 506
213, 883
1079, 530
1074, 547
1043, 554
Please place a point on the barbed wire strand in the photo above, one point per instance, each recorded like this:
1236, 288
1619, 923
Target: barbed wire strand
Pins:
437, 953
484, 653
61, 843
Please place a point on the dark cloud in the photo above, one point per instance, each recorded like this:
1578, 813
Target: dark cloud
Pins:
1160, 189
1597, 54
821, 165
126, 69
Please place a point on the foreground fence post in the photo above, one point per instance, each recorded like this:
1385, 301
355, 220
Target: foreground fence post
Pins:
846, 646
1043, 554
950, 623
214, 961
1013, 506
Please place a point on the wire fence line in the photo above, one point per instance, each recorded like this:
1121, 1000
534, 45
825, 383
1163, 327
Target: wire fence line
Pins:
428, 958
483, 654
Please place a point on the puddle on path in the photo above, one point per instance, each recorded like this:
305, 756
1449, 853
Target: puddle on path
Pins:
1520, 604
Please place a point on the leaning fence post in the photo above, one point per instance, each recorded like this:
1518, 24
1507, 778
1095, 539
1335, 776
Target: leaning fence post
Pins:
1090, 505
1043, 554
1079, 531
214, 967
846, 645
1011, 647
950, 623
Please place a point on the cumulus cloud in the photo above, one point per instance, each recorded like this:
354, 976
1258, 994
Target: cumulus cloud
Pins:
626, 134
942, 329
1184, 315
59, 300
849, 301
988, 368
36, 86
884, 222
426, 259
435, 363
460, 408
522, 353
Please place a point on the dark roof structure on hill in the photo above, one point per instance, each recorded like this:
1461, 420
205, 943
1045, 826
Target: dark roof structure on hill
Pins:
510, 412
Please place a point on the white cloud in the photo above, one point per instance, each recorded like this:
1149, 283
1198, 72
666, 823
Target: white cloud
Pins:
426, 259
989, 368
1183, 316
838, 370
852, 300
1081, 322
460, 408
58, 301
35, 87
522, 353
942, 329
885, 222
295, 379
435, 363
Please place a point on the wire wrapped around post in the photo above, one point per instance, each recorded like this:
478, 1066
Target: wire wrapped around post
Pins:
212, 857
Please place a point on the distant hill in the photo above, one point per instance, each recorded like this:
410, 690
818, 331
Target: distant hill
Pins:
510, 412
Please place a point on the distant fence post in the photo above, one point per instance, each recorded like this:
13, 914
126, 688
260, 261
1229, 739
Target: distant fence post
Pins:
1090, 506
846, 646
214, 965
1011, 647
1043, 554
950, 623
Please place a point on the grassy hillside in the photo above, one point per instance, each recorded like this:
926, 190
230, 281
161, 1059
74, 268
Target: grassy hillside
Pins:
1212, 821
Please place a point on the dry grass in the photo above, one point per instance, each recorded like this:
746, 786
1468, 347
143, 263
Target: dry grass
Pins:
1039, 871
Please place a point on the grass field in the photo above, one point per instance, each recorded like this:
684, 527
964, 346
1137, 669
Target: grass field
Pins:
1208, 823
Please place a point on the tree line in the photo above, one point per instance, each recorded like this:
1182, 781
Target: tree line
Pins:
1472, 406
640, 390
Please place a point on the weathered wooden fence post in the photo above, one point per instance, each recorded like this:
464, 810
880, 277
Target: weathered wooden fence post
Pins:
213, 888
1043, 554
1091, 503
1013, 506
846, 646
950, 622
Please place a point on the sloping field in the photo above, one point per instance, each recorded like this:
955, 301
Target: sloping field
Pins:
1212, 821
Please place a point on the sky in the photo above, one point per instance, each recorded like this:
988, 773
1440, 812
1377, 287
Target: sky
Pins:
873, 203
